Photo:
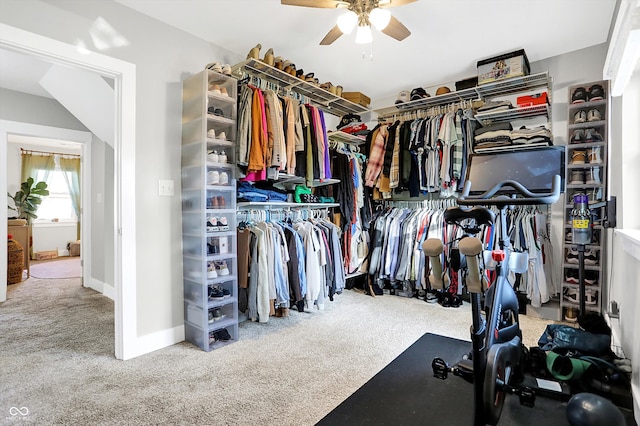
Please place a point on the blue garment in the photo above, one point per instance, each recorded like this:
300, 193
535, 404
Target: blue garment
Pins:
282, 289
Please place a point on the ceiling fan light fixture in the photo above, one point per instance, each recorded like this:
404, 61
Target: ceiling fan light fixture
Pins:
380, 18
363, 34
347, 22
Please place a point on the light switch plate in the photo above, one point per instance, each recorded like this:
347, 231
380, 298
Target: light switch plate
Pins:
165, 188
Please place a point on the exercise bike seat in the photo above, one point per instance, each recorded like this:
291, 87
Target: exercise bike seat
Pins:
481, 215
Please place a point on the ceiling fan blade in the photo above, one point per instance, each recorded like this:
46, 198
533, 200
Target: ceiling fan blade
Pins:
330, 4
331, 36
396, 30
394, 3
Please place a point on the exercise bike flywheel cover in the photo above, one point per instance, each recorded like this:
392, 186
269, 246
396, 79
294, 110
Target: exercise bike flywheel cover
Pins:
497, 374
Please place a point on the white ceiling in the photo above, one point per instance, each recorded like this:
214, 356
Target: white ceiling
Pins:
448, 36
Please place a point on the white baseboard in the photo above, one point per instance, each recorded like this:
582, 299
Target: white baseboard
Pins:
158, 340
100, 287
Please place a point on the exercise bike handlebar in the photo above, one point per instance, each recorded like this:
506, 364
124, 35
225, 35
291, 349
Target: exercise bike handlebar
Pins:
526, 197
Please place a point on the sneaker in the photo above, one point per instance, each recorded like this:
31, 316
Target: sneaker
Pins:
215, 66
590, 277
580, 117
571, 315
222, 157
213, 248
215, 315
213, 157
215, 89
213, 202
596, 92
594, 115
571, 295
590, 257
216, 292
221, 268
578, 156
571, 276
577, 136
222, 136
224, 92
211, 133
220, 335
226, 69
572, 256
592, 135
222, 224
593, 155
216, 111
593, 176
222, 202
212, 224
213, 177
577, 177
579, 95
224, 178
568, 236
590, 296
211, 272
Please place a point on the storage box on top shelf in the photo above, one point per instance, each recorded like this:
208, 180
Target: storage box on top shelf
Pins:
508, 65
357, 98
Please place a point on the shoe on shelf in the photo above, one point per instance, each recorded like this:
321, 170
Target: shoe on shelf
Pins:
593, 176
226, 69
269, 59
213, 248
590, 296
215, 315
222, 222
591, 277
212, 224
223, 92
577, 177
594, 115
596, 93
222, 136
580, 117
254, 53
215, 292
578, 156
221, 201
593, 155
577, 136
278, 62
215, 66
224, 178
224, 245
220, 335
221, 268
211, 272
590, 257
572, 276
592, 135
213, 156
211, 133
571, 295
572, 256
213, 177
222, 157
579, 95
215, 89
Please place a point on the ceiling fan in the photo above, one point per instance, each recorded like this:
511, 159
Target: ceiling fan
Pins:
360, 15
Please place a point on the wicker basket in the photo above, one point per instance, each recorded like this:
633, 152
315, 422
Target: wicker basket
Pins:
15, 264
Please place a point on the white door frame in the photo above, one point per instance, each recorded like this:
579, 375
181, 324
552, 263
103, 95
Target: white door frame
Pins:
82, 137
124, 77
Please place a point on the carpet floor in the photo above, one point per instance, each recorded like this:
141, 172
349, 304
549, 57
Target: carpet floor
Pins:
57, 344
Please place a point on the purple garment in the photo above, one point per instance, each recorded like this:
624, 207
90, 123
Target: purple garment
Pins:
327, 162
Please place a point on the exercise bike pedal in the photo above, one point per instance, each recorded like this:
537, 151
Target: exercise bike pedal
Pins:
440, 368
527, 397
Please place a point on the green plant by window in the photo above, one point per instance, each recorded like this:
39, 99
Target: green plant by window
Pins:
28, 199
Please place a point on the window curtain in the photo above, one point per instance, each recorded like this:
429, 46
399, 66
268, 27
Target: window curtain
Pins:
72, 165
31, 163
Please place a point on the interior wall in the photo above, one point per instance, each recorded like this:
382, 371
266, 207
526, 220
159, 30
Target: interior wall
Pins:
163, 57
98, 210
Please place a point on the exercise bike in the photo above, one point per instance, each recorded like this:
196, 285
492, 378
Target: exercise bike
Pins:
496, 339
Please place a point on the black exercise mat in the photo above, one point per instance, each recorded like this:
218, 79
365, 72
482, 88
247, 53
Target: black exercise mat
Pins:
406, 393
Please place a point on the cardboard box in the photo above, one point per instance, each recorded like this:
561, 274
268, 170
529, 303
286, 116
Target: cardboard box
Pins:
513, 64
532, 100
467, 83
45, 255
357, 98
74, 248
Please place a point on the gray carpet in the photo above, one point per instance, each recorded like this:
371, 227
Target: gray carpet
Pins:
56, 353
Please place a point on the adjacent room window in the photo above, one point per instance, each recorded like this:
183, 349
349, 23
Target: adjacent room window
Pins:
59, 204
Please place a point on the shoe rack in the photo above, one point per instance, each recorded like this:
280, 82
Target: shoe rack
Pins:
209, 209
586, 173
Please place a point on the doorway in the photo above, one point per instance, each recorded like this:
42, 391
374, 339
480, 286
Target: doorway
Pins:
123, 75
